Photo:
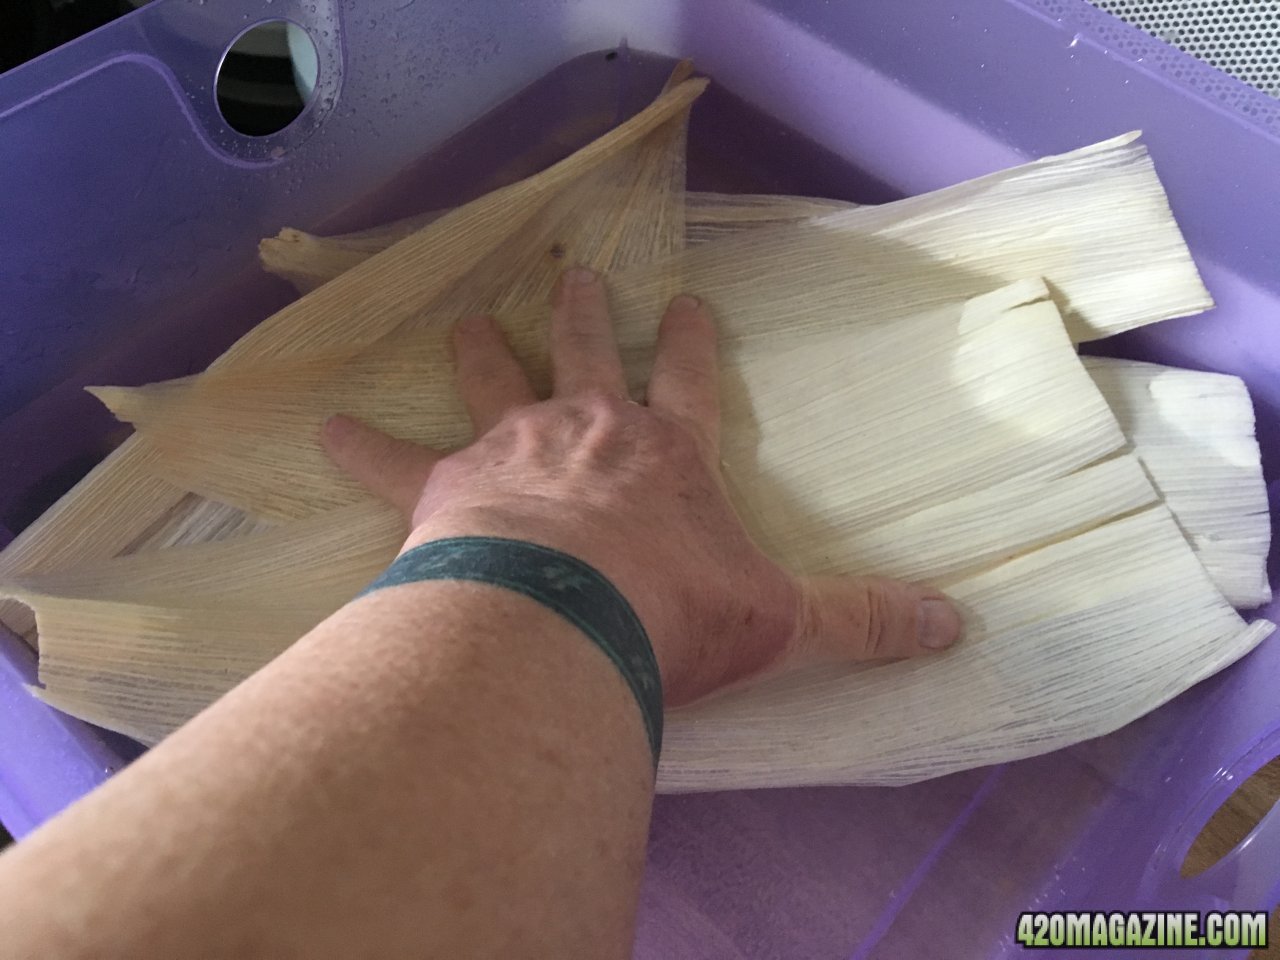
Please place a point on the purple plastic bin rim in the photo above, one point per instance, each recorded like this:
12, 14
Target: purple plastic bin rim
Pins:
46, 760
1216, 90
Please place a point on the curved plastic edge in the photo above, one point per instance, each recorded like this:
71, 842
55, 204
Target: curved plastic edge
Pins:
1247, 874
47, 759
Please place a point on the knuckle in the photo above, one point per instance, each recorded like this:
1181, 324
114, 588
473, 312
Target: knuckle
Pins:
679, 441
878, 621
609, 412
528, 423
600, 402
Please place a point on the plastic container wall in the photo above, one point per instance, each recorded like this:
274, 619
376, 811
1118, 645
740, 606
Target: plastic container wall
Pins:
129, 216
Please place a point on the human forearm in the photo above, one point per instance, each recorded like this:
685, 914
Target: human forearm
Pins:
419, 776
448, 769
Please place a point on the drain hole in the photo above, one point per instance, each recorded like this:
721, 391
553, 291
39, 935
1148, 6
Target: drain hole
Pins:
267, 78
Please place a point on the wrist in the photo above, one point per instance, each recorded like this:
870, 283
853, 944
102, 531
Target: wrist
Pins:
557, 581
612, 561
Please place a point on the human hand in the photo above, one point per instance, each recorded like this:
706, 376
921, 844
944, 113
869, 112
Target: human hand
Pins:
634, 490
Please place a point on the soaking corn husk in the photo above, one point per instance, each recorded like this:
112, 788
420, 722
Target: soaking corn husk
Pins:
905, 399
121, 504
1093, 222
308, 261
1194, 433
1040, 477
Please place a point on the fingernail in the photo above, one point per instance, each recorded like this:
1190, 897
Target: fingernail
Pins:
685, 302
579, 276
939, 625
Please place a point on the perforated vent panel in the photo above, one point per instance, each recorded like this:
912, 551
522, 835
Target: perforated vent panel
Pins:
1239, 38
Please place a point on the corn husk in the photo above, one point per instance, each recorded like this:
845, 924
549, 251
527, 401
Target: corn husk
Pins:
1067, 643
120, 505
1194, 433
1094, 222
308, 261
900, 401
142, 643
1016, 499
1080, 220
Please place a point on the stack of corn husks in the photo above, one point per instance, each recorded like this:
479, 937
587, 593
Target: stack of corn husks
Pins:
902, 395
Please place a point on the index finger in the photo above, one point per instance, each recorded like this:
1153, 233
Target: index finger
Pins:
584, 354
686, 379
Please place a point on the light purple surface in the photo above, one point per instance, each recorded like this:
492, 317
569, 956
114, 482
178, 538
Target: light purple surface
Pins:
128, 219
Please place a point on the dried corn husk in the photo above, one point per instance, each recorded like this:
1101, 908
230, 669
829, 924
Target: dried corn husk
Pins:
995, 479
1194, 432
142, 643
123, 503
1065, 644
308, 261
1106, 243
1080, 220
999, 470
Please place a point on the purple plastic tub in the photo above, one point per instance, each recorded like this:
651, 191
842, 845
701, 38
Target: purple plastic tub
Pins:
129, 214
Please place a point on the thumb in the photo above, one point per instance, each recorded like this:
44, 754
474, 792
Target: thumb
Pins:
873, 618
395, 470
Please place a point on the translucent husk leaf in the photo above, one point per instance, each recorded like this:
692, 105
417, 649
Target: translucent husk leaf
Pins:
1094, 222
406, 279
1078, 621
1194, 432
1074, 602
142, 643
998, 371
122, 504
308, 261
333, 553
1106, 243
627, 211
1065, 644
